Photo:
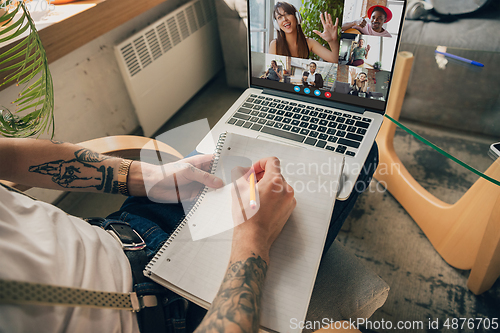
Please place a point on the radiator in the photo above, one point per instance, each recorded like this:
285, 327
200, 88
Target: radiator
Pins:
169, 61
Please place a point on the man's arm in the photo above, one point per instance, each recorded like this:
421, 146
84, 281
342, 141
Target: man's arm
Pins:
304, 78
236, 308
55, 165
319, 81
348, 25
358, 24
69, 167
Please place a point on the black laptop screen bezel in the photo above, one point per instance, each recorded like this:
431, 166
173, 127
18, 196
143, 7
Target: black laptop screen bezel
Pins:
368, 104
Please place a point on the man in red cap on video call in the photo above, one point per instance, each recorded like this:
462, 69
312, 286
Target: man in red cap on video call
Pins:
378, 16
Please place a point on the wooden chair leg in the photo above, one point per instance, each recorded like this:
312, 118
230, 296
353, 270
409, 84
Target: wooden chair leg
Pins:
456, 231
486, 268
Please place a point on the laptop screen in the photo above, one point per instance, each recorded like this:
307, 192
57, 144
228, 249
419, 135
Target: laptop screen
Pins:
295, 48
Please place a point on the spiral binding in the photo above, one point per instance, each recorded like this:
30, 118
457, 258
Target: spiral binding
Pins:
199, 198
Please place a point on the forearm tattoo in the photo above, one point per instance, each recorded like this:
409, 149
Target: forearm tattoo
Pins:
236, 308
80, 172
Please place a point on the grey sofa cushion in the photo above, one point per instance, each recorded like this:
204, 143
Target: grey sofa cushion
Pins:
482, 34
433, 95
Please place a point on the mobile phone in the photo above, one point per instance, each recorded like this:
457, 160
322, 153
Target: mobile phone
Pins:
494, 150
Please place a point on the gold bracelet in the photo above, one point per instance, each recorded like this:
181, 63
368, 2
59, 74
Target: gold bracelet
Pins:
123, 175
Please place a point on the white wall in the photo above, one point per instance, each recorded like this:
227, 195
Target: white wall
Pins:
258, 64
91, 99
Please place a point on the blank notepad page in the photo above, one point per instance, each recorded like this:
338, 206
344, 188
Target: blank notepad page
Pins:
198, 266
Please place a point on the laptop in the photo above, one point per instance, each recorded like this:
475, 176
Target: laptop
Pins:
332, 107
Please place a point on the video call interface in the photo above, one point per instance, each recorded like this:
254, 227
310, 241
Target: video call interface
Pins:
296, 50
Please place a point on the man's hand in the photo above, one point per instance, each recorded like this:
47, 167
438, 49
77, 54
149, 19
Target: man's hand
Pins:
275, 203
361, 22
236, 308
172, 182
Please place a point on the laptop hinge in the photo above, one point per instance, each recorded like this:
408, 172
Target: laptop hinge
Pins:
317, 101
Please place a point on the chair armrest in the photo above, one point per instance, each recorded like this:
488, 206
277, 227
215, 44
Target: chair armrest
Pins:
128, 146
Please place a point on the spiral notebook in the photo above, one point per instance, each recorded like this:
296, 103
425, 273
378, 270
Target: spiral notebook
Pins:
195, 268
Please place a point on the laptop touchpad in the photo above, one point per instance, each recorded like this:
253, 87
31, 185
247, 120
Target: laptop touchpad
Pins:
266, 138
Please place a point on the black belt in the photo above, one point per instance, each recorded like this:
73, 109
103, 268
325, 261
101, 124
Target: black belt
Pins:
150, 318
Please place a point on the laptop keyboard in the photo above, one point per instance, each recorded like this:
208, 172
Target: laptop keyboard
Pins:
320, 127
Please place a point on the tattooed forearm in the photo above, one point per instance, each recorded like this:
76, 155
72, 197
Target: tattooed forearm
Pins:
79, 173
236, 308
72, 173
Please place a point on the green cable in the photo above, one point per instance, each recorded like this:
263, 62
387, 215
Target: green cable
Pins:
442, 152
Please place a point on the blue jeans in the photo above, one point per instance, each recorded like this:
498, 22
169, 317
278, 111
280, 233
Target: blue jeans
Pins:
155, 222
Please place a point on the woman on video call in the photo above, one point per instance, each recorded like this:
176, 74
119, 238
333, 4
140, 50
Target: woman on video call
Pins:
273, 73
291, 40
359, 83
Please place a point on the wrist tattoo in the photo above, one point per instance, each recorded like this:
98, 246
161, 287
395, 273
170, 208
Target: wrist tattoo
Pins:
114, 189
108, 181
236, 307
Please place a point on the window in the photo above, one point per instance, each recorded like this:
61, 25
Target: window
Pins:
259, 25
396, 8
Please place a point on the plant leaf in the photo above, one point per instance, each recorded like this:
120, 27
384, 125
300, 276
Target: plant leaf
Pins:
27, 60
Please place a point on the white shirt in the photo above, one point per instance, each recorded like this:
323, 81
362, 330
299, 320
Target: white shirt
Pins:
311, 77
40, 243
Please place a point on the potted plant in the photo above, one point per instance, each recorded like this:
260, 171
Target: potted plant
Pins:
310, 18
25, 64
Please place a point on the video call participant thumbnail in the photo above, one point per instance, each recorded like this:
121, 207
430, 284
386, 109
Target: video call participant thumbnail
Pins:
359, 83
311, 78
358, 53
273, 73
378, 16
291, 40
